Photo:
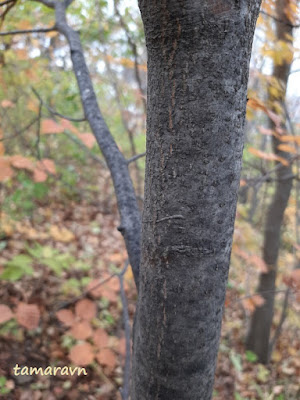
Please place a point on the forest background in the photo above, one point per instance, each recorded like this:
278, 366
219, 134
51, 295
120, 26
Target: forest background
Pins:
66, 290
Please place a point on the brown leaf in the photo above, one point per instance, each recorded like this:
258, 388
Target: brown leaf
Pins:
47, 165
86, 309
28, 315
82, 354
81, 330
258, 300
5, 313
107, 358
66, 317
100, 338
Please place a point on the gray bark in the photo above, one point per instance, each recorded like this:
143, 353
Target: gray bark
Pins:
198, 59
130, 216
258, 338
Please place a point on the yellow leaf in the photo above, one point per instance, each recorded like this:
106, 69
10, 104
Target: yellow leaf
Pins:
61, 234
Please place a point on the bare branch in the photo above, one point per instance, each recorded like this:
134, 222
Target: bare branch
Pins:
279, 20
136, 157
53, 112
126, 385
29, 31
3, 3
117, 164
47, 3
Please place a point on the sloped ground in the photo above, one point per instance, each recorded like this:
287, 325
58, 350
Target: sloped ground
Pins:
49, 318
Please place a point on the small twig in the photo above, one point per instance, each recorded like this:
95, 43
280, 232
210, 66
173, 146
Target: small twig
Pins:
279, 20
38, 132
85, 293
170, 217
82, 119
257, 293
126, 385
19, 132
28, 31
3, 3
136, 157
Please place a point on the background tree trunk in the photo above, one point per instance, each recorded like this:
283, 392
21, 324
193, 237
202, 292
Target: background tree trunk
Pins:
198, 58
258, 339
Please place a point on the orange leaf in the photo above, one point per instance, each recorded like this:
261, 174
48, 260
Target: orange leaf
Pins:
293, 280
82, 354
107, 358
66, 317
100, 338
7, 104
86, 309
28, 315
5, 313
248, 305
21, 162
49, 126
2, 149
81, 330
39, 176
47, 165
5, 170
87, 139
259, 263
258, 300
68, 125
287, 148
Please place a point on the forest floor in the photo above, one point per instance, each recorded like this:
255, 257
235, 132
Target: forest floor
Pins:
49, 318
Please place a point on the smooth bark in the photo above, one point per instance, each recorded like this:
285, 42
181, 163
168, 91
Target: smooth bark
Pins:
198, 59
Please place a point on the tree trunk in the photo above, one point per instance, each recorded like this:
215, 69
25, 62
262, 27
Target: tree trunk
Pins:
198, 59
258, 339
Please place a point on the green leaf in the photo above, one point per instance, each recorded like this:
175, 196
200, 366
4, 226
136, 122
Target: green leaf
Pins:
13, 273
21, 261
236, 360
250, 356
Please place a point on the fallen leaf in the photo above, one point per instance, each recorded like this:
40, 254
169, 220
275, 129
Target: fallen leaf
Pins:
66, 317
61, 234
86, 309
28, 315
81, 330
107, 358
39, 175
6, 171
5, 313
100, 338
21, 162
82, 354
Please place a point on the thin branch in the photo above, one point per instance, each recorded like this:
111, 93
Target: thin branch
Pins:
126, 385
136, 157
19, 132
47, 3
3, 3
279, 20
29, 31
38, 132
53, 112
